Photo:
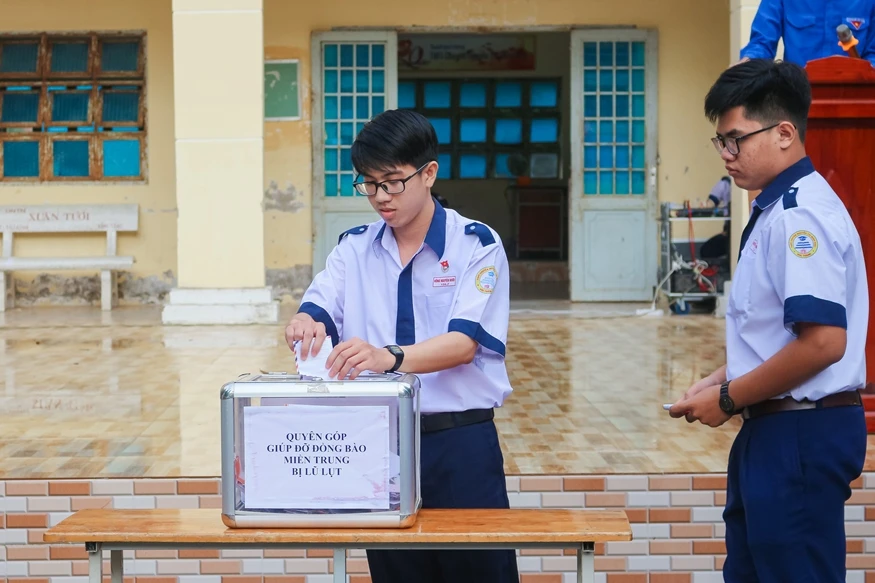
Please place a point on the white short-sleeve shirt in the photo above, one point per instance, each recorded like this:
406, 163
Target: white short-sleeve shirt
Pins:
457, 281
801, 262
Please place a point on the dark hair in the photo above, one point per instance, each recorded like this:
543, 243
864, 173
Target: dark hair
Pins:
394, 137
769, 91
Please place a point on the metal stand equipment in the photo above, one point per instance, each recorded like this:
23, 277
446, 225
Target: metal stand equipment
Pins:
682, 277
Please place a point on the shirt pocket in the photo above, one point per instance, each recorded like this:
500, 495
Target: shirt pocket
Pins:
438, 308
801, 20
739, 292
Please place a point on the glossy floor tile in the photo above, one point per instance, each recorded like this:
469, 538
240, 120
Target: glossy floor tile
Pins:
88, 394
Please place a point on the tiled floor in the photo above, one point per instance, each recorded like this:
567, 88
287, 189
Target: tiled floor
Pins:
88, 394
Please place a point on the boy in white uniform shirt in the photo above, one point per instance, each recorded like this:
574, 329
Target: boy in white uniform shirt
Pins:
425, 291
795, 340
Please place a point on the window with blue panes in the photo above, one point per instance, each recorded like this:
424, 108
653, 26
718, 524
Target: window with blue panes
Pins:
353, 91
615, 131
72, 108
486, 126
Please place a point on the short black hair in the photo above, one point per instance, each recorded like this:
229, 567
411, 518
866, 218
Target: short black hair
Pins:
393, 138
769, 91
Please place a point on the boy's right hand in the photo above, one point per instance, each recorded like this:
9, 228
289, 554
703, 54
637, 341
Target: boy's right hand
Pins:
302, 327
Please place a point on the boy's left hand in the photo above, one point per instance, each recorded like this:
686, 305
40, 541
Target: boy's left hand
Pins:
353, 356
704, 407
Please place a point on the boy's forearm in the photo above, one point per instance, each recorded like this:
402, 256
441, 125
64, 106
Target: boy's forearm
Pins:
439, 353
718, 377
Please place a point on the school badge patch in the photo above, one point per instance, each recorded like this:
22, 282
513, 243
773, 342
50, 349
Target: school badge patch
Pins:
485, 280
856, 22
803, 244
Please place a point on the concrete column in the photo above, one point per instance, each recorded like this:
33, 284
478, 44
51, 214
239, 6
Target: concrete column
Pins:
218, 55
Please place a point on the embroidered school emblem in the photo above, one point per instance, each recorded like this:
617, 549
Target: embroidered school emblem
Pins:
485, 280
445, 265
803, 244
856, 22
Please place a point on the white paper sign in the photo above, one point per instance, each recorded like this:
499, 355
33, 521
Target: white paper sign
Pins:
317, 457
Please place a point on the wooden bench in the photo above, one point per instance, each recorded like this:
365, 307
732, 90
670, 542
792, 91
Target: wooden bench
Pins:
108, 218
171, 529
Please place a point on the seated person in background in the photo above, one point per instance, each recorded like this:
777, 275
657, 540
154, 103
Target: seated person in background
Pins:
808, 28
721, 191
717, 246
441, 200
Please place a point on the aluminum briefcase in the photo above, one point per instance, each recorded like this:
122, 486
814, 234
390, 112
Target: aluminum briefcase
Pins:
302, 452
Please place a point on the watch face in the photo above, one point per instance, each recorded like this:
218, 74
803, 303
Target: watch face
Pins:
727, 404
395, 350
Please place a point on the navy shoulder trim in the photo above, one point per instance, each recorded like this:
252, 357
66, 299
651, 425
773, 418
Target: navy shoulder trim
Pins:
354, 231
482, 231
790, 198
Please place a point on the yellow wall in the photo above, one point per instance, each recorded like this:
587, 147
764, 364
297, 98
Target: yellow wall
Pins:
154, 246
693, 40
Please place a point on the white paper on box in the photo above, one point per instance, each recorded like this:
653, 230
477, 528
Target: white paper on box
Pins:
317, 457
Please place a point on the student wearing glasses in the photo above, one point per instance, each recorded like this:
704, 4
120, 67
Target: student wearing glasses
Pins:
796, 324
425, 291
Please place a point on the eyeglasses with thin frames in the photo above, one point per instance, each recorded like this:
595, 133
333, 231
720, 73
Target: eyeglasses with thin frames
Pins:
731, 144
393, 186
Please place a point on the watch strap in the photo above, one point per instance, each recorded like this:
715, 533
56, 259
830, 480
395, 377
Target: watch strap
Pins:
399, 357
725, 398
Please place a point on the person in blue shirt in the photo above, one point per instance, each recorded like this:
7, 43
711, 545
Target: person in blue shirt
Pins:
796, 325
426, 291
808, 28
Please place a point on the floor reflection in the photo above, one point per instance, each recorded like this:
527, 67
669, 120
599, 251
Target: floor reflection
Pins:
88, 394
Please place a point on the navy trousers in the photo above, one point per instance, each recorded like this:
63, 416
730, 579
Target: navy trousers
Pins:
788, 480
460, 468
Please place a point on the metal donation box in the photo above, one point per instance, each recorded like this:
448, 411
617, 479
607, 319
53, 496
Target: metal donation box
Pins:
302, 452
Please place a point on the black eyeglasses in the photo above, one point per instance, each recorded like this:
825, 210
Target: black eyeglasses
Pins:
731, 144
393, 186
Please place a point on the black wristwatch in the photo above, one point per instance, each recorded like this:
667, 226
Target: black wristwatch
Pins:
398, 354
727, 405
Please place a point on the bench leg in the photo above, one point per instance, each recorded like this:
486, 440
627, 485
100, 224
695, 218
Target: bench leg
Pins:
108, 290
95, 563
586, 563
339, 565
7, 283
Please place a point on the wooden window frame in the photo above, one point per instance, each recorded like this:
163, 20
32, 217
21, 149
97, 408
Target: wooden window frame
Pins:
99, 82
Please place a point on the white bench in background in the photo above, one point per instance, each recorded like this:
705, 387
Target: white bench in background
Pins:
93, 218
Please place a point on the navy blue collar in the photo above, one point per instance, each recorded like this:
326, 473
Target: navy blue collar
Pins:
783, 182
436, 237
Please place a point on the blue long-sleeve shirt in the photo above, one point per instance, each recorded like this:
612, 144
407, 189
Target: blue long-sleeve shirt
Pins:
809, 29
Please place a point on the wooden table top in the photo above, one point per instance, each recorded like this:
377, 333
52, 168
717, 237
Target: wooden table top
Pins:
204, 525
